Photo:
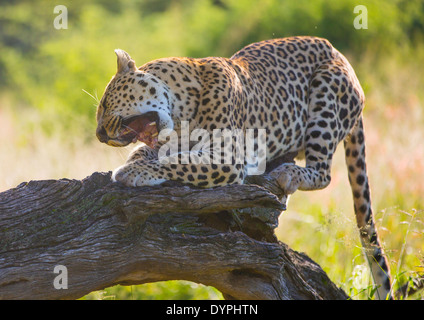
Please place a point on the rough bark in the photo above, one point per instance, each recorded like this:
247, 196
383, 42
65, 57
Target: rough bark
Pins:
107, 234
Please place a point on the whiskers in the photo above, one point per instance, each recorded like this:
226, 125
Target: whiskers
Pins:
129, 148
94, 97
127, 130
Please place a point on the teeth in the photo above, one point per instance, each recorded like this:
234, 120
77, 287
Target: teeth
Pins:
152, 124
155, 134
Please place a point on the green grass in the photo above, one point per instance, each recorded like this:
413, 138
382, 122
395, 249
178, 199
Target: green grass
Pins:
164, 290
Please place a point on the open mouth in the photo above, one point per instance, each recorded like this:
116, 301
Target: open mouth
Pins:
142, 128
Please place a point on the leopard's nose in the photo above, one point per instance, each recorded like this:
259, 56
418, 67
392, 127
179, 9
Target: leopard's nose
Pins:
102, 134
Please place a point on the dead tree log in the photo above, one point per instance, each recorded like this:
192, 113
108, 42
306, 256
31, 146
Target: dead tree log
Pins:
107, 234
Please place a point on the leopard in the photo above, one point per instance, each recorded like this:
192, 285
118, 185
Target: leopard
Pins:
300, 90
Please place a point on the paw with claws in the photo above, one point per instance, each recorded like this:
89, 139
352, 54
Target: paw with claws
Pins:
287, 178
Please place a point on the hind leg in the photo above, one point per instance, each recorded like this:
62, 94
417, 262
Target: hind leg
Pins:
325, 129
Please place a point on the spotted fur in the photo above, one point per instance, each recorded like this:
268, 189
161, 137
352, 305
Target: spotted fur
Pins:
301, 90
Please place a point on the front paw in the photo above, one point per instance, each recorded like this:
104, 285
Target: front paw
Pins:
123, 175
287, 178
133, 175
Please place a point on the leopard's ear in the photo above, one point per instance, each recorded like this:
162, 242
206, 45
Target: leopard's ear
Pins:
125, 63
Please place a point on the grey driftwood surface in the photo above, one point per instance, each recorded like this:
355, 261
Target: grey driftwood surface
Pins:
107, 234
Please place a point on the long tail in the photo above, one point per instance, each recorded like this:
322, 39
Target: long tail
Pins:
358, 178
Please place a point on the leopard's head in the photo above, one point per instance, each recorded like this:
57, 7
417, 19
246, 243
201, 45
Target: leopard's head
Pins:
135, 106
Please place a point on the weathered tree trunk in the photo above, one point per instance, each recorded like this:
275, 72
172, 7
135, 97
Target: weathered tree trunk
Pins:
106, 234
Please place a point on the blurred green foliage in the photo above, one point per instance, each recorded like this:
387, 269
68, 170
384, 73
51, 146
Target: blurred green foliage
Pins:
163, 290
48, 69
